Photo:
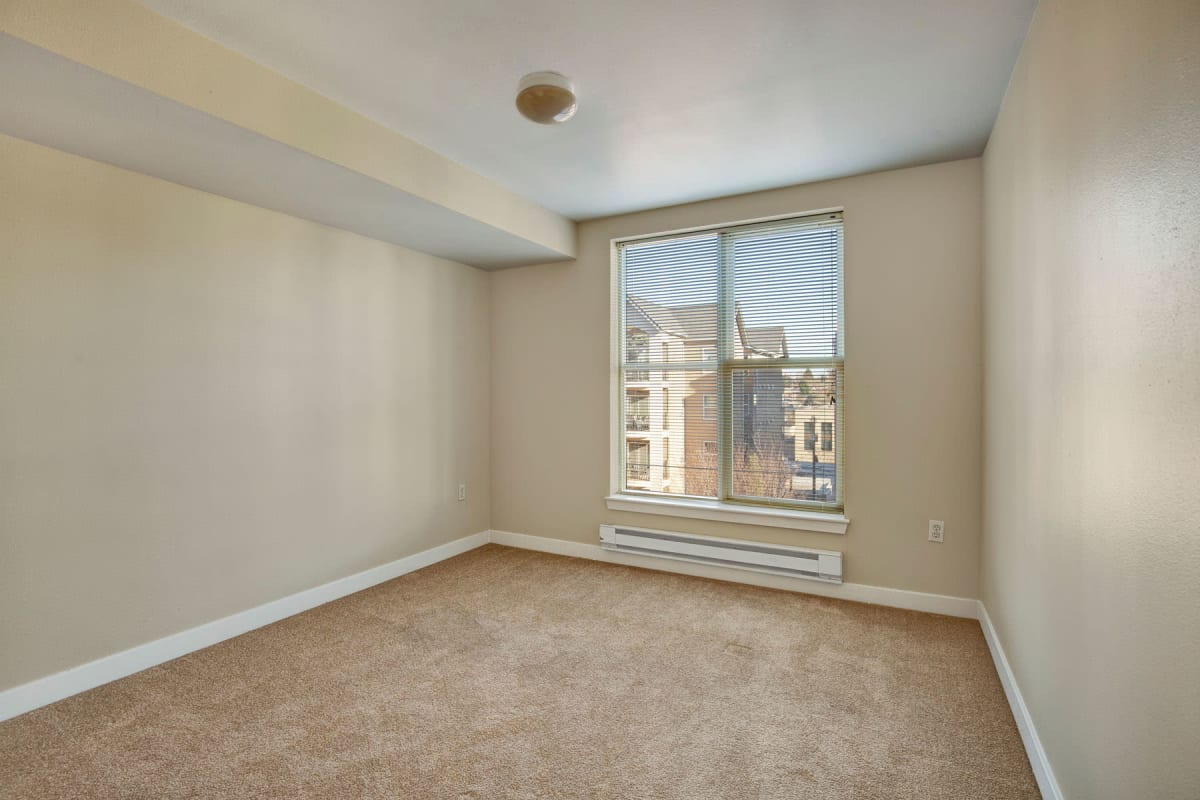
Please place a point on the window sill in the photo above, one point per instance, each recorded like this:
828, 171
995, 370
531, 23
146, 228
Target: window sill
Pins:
728, 512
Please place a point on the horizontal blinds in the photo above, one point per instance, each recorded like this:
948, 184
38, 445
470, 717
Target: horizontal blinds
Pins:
670, 291
786, 286
731, 362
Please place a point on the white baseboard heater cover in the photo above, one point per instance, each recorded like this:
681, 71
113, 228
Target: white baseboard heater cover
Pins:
776, 559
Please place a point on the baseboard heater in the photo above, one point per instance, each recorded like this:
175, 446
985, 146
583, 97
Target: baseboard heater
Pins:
776, 559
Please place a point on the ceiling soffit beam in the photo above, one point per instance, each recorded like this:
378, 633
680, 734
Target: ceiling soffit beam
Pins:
130, 43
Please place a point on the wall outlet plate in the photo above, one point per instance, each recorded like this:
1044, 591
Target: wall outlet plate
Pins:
937, 530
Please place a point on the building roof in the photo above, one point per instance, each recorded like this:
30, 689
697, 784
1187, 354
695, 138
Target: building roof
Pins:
698, 322
770, 341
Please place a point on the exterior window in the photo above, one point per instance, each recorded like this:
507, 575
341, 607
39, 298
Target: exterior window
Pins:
637, 349
637, 411
753, 316
638, 460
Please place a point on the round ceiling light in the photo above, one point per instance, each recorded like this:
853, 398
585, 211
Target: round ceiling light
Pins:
546, 98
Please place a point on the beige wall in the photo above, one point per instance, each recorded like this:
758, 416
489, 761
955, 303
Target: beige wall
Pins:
1092, 546
913, 377
205, 406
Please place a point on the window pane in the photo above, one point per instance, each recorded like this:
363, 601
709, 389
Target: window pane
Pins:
780, 420
666, 431
786, 291
637, 410
772, 291
637, 351
637, 461
671, 299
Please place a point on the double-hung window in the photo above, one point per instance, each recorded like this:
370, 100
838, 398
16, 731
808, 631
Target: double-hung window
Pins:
733, 336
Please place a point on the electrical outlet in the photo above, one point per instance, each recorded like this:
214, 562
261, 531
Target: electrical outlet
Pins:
462, 491
937, 530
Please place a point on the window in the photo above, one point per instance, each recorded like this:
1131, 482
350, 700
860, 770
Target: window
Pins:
637, 410
748, 322
637, 351
638, 460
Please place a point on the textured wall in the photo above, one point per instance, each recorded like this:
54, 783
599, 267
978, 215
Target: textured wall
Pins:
205, 406
1091, 556
913, 377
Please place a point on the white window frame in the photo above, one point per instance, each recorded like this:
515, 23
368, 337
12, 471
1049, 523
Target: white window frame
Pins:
684, 506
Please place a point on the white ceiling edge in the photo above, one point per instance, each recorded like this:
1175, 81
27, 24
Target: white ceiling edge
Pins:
53, 101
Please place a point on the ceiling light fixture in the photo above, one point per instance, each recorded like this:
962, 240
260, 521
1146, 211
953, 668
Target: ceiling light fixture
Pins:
546, 98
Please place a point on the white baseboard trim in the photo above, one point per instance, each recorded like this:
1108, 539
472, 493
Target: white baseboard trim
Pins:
1042, 771
858, 592
52, 688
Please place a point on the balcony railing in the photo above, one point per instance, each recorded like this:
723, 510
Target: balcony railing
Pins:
638, 472
637, 422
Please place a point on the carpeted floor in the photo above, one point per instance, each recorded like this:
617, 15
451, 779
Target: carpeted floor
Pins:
511, 674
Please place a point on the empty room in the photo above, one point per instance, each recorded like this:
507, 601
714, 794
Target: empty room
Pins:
771, 400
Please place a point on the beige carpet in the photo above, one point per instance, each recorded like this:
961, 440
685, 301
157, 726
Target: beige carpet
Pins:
510, 674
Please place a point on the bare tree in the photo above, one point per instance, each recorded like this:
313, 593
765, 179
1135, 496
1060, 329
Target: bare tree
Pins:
763, 470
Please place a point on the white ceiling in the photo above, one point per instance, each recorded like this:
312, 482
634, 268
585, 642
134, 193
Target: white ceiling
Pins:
679, 99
